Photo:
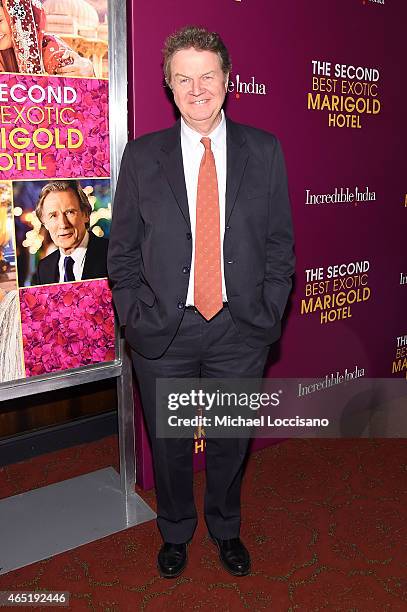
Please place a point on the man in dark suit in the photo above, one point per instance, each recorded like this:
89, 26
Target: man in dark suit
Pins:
200, 260
64, 210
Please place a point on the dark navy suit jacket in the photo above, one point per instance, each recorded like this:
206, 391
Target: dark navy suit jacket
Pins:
95, 265
150, 245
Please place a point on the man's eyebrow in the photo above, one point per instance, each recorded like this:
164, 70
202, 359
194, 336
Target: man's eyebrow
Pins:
178, 74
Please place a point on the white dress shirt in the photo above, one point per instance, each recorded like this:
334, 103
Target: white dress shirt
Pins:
192, 152
78, 255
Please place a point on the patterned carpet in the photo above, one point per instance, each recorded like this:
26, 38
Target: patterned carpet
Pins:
325, 521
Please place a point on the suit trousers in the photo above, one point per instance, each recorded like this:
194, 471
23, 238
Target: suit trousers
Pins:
208, 349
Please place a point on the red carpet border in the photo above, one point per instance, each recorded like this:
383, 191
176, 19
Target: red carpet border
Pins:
325, 521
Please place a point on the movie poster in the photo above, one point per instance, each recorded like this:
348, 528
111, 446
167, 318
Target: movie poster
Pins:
55, 201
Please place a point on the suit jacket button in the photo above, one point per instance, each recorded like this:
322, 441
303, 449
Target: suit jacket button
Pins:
181, 305
189, 236
227, 227
185, 270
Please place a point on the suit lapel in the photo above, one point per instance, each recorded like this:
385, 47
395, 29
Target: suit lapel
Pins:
237, 156
171, 162
50, 271
88, 264
173, 168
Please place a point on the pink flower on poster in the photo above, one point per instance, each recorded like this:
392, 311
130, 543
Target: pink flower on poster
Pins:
66, 326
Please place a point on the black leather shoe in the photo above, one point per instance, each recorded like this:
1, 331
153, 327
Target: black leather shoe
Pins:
234, 556
172, 559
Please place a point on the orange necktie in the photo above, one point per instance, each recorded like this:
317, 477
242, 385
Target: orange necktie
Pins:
207, 278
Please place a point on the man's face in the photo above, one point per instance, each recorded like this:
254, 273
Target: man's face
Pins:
63, 218
199, 87
5, 33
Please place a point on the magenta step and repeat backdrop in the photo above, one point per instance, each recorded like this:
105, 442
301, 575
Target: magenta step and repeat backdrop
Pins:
54, 129
328, 79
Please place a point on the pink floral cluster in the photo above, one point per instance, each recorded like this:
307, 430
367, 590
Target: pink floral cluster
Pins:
67, 326
90, 116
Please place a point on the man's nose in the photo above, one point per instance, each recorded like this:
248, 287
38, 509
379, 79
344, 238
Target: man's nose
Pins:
64, 221
196, 88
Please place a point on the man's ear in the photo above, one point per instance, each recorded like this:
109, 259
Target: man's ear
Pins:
227, 80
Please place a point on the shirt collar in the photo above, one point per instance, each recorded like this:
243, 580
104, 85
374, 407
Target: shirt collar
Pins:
193, 138
78, 253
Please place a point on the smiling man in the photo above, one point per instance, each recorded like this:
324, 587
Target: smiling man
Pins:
200, 259
64, 210
199, 95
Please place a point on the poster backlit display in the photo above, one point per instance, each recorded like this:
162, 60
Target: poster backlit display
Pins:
55, 200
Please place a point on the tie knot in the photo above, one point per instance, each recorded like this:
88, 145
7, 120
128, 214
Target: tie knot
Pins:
206, 143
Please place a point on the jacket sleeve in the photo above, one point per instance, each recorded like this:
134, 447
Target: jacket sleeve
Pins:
38, 276
35, 280
124, 254
280, 259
